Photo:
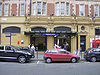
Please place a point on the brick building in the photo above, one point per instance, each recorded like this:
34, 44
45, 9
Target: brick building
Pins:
49, 22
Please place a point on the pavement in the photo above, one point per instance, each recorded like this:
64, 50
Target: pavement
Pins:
39, 56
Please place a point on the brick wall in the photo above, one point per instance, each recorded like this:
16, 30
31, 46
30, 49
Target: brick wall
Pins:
14, 10
19, 10
99, 10
2, 9
71, 9
86, 10
77, 9
92, 10
50, 8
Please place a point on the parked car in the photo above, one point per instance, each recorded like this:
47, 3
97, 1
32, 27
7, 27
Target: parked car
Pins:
11, 52
92, 54
60, 55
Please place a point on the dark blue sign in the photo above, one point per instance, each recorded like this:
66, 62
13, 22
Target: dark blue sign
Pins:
49, 34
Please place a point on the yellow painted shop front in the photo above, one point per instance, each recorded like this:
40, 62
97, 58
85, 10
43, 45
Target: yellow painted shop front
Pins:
45, 32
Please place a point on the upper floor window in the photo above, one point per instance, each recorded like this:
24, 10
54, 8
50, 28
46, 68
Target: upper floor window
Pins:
57, 8
82, 10
44, 8
62, 9
6, 10
22, 10
39, 8
67, 9
0, 9
96, 10
34, 6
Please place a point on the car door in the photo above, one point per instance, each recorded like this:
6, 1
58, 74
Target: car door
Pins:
2, 51
55, 55
97, 53
9, 52
64, 55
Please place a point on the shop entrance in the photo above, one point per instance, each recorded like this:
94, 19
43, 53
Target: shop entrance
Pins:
40, 42
61, 41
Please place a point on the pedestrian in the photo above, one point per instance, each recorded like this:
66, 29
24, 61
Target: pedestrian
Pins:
29, 46
33, 49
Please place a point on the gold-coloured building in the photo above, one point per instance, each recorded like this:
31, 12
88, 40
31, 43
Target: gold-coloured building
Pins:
49, 28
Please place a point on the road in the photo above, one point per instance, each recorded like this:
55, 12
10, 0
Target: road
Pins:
55, 68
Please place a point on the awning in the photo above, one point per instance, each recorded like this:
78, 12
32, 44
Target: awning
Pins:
70, 33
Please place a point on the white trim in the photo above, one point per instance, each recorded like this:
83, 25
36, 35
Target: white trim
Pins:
1, 9
8, 57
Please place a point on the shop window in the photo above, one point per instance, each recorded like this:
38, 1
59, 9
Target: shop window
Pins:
12, 30
38, 29
82, 43
97, 31
62, 28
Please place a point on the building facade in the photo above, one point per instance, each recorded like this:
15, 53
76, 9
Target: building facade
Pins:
49, 22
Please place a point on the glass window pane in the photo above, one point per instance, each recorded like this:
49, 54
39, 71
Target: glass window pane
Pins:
96, 10
57, 9
62, 8
82, 10
34, 6
22, 9
0, 9
6, 10
44, 8
54, 51
1, 47
39, 8
67, 9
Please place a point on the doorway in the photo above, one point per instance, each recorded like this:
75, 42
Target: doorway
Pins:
40, 42
62, 40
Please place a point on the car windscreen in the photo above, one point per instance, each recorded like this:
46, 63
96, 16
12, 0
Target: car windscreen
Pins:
16, 48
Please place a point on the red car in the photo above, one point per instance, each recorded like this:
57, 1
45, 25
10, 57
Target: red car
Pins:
60, 55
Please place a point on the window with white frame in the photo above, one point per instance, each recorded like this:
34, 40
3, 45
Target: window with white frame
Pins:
82, 10
22, 10
0, 9
67, 9
96, 10
57, 9
62, 8
34, 6
38, 8
44, 8
6, 10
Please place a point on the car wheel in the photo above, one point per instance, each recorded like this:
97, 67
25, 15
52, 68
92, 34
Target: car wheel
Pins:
48, 60
93, 59
73, 60
22, 59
